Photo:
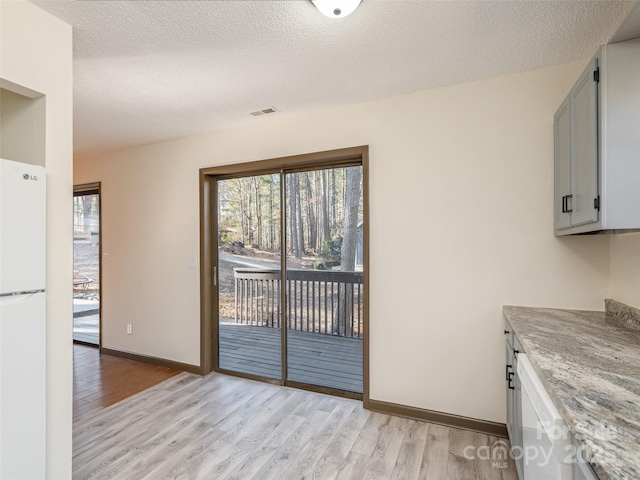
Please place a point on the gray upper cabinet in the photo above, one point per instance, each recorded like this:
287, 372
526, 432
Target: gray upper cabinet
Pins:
562, 135
597, 145
584, 147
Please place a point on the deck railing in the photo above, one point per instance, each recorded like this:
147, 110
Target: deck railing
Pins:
319, 301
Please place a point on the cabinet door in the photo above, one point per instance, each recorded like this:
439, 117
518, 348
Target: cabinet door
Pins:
584, 148
516, 441
562, 160
509, 374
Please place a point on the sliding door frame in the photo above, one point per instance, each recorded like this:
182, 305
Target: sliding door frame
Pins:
95, 189
345, 157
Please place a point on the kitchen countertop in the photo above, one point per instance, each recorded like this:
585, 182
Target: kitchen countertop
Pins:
589, 363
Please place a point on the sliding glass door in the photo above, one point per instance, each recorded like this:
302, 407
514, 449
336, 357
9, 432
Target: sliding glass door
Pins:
289, 277
249, 313
324, 278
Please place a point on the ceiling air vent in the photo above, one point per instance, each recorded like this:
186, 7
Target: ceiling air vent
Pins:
264, 111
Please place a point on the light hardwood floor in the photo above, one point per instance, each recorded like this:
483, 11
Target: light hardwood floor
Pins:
222, 427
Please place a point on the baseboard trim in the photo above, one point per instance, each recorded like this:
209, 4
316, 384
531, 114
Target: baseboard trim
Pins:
446, 419
162, 362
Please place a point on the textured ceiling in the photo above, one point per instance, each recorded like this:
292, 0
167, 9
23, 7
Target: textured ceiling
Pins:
146, 71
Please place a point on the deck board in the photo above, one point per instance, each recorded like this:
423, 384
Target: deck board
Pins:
86, 328
317, 359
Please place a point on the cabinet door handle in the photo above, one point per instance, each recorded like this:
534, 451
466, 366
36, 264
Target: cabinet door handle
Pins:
510, 381
507, 372
565, 203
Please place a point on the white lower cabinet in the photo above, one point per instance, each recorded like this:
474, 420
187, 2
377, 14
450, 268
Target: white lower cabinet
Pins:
582, 469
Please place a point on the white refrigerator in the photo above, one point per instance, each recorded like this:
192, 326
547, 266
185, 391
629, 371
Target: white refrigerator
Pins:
22, 321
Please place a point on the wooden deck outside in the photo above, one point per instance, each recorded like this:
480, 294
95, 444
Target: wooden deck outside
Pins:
86, 321
86, 329
317, 359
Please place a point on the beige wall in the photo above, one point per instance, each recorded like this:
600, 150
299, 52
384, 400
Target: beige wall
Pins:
461, 183
22, 118
36, 53
625, 268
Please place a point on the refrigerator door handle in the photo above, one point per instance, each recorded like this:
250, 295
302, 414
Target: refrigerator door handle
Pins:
18, 297
26, 292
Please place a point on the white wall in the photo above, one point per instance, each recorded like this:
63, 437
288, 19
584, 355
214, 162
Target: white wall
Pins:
36, 53
625, 268
461, 182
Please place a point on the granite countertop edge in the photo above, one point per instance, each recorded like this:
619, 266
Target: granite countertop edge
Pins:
589, 365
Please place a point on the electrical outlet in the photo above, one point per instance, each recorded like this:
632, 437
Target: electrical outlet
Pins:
129, 329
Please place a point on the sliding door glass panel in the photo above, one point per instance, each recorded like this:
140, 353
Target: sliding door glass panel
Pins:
324, 278
249, 275
86, 269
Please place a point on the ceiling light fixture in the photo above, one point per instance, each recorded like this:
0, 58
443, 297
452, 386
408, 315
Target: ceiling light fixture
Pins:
336, 8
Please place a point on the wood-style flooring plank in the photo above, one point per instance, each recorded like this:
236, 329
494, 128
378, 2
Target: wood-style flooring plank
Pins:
309, 453
232, 448
115, 423
331, 461
276, 450
491, 467
469, 463
222, 427
412, 451
103, 380
151, 434
509, 472
385, 454
368, 438
353, 467
247, 460
435, 459
188, 458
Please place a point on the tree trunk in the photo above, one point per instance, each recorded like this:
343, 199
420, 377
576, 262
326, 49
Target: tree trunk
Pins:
301, 248
271, 233
326, 232
332, 204
311, 217
352, 202
349, 241
243, 212
87, 202
249, 215
256, 184
293, 215
76, 212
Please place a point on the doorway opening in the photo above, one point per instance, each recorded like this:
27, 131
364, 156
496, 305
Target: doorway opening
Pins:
285, 271
86, 264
